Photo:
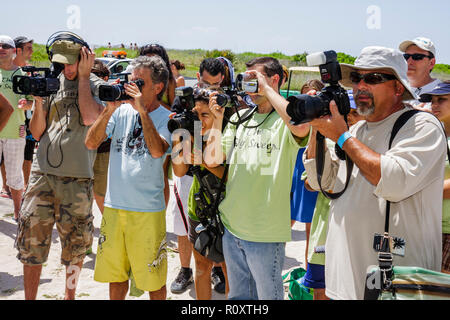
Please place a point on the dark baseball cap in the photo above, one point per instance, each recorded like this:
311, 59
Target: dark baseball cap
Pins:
441, 89
22, 40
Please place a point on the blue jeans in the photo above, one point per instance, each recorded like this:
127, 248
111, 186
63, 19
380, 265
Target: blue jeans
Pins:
253, 268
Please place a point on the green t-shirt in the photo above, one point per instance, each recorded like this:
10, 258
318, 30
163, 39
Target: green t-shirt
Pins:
195, 187
12, 128
319, 224
62, 151
446, 203
319, 228
257, 203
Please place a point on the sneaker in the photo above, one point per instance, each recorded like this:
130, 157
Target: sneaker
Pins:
218, 279
182, 281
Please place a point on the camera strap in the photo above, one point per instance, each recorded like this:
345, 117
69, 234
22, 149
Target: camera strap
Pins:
320, 162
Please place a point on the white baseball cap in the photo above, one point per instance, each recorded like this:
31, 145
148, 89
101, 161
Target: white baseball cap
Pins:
421, 42
7, 40
376, 58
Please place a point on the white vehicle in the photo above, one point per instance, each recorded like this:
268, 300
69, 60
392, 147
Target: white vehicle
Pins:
115, 65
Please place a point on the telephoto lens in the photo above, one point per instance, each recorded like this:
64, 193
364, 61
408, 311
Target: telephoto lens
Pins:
116, 92
304, 108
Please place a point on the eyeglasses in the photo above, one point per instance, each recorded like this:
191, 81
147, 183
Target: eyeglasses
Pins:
6, 46
371, 78
416, 56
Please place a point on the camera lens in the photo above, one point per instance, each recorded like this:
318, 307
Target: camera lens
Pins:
173, 125
223, 99
111, 93
304, 108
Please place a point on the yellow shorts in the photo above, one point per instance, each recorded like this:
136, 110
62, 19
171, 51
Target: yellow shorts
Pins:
132, 242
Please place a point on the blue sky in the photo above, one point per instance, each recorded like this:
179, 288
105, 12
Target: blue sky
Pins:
246, 25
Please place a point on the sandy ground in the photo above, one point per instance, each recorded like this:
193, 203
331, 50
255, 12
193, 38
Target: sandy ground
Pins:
53, 273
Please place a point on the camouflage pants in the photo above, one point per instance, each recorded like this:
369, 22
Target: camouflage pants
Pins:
49, 199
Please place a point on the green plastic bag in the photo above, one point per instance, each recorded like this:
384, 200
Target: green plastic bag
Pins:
297, 291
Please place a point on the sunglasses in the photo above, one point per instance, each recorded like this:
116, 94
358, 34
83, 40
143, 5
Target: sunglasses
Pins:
6, 46
416, 56
371, 78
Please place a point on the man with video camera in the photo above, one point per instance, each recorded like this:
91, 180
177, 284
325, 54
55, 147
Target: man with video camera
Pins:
409, 175
60, 186
132, 237
256, 210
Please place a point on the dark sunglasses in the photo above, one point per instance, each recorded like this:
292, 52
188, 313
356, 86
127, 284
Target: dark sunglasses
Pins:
416, 56
6, 46
371, 78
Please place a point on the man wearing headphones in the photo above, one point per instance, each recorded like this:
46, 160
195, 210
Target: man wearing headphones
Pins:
60, 186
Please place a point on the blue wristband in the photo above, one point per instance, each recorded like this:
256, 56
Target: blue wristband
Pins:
346, 135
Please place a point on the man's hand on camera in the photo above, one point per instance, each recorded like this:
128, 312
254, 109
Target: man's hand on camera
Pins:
331, 126
113, 104
263, 86
38, 101
133, 91
86, 63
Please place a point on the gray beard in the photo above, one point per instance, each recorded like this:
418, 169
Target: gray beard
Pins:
365, 110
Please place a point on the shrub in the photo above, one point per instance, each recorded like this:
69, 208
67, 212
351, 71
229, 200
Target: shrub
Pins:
220, 53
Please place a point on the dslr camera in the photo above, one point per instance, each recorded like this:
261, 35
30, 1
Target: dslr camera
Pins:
185, 118
38, 84
244, 84
304, 108
116, 92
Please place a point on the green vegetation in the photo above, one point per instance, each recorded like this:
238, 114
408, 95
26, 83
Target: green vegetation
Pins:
192, 58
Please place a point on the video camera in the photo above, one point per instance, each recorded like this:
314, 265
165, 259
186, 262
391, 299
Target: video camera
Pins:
38, 84
304, 108
116, 92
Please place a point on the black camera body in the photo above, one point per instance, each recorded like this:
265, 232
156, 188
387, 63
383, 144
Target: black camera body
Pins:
185, 118
38, 84
304, 108
116, 92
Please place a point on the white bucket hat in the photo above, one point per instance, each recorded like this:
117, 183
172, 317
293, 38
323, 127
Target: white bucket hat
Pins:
376, 58
421, 42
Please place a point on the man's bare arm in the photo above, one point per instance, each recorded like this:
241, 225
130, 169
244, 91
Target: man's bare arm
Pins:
38, 122
6, 110
97, 132
89, 108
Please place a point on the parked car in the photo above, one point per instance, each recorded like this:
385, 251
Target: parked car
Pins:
115, 65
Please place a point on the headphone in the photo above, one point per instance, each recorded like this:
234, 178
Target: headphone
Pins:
63, 35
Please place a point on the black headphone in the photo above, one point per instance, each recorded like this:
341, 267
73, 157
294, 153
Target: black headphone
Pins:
63, 35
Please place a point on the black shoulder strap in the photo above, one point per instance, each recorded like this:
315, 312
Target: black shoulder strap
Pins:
320, 163
401, 120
